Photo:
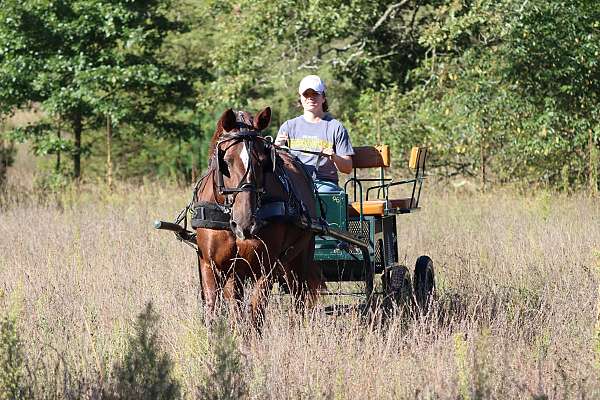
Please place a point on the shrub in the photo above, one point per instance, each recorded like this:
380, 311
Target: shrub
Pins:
225, 379
146, 371
12, 368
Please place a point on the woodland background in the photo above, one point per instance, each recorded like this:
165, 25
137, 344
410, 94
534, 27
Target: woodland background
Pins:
503, 92
107, 107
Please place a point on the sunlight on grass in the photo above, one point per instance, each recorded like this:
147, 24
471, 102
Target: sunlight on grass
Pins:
516, 312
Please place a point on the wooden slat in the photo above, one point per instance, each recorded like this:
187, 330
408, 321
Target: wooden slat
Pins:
371, 156
417, 157
371, 207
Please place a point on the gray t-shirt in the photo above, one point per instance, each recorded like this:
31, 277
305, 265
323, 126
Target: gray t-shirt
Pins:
327, 133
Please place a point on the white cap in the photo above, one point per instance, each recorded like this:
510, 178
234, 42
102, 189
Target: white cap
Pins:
311, 82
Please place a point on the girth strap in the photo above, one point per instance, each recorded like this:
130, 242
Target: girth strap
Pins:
211, 215
273, 209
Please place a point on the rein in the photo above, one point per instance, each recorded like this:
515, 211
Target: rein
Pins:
289, 150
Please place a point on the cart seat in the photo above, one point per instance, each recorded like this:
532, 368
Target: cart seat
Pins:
378, 207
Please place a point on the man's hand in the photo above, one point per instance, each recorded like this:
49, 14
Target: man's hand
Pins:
342, 163
282, 139
328, 152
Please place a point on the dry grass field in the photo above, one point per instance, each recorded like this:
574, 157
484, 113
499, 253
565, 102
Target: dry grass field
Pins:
516, 315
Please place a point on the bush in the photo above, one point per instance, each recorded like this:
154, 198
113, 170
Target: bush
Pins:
12, 368
146, 371
225, 379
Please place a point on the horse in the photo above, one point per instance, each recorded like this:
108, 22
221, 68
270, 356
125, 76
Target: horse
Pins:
251, 212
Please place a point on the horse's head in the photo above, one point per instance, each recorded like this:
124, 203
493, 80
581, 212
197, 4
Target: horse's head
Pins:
242, 158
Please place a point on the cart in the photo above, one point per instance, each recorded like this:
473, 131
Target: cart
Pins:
368, 215
357, 237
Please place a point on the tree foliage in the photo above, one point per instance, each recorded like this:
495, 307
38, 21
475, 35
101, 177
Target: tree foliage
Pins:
501, 91
84, 60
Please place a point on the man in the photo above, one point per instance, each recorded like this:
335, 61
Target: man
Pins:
318, 132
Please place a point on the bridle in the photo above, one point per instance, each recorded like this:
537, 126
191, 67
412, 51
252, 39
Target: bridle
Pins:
213, 209
217, 212
248, 183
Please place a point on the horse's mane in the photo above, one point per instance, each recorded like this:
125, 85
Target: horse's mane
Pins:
214, 140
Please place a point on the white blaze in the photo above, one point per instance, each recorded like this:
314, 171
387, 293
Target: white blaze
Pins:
245, 157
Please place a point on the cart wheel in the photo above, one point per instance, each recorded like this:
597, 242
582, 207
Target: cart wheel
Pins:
398, 289
424, 283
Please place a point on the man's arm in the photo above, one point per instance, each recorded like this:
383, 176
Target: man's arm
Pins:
342, 163
282, 139
343, 146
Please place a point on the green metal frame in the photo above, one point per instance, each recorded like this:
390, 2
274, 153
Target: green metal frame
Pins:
341, 261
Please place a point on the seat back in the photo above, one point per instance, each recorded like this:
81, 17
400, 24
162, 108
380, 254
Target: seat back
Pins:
379, 156
371, 156
417, 157
368, 157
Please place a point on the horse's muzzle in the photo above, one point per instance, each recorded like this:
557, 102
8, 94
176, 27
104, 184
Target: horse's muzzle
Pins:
244, 234
238, 231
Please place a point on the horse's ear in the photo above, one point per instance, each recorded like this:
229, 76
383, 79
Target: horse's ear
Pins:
228, 121
262, 119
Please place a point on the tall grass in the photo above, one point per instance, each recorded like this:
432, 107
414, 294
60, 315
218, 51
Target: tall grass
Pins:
516, 314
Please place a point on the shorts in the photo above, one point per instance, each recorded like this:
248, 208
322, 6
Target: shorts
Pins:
327, 186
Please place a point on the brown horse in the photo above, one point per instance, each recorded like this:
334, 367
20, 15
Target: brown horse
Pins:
250, 209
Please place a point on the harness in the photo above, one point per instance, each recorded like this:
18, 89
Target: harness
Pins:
216, 215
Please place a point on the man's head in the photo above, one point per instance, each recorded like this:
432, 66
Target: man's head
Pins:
312, 82
312, 94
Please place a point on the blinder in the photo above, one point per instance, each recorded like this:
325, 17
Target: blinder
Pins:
223, 167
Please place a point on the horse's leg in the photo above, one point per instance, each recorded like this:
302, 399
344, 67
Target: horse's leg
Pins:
310, 276
233, 294
260, 296
296, 280
209, 286
314, 282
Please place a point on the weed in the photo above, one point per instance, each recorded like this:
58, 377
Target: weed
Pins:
462, 367
532, 298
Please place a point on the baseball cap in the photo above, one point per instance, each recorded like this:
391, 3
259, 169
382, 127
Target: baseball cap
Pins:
311, 82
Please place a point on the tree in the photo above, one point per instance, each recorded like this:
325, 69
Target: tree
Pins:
256, 51
507, 91
87, 60
553, 50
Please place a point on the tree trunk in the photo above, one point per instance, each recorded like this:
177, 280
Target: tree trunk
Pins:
378, 119
194, 169
77, 128
58, 135
593, 165
4, 162
482, 161
109, 166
